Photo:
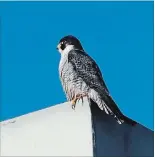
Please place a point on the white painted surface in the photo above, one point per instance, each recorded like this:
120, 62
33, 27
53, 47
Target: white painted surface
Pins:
61, 131
55, 131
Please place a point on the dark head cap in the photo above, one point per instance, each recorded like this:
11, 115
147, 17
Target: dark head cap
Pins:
70, 40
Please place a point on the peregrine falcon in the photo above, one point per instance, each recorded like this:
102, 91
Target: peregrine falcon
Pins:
81, 77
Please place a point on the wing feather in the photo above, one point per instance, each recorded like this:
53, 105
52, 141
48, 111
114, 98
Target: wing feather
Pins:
87, 69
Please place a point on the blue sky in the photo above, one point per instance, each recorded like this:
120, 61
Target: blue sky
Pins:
118, 35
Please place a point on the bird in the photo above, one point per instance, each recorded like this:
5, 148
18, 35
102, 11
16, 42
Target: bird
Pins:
81, 77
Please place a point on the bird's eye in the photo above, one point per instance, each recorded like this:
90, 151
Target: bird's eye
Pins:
64, 42
62, 45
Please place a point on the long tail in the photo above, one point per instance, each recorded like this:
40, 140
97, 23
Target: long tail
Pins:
107, 104
118, 115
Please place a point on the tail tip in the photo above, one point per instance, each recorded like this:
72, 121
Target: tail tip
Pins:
121, 121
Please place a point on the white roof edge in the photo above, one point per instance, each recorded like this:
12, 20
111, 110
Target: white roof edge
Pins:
54, 131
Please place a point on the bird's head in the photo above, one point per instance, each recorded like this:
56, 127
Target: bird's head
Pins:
68, 43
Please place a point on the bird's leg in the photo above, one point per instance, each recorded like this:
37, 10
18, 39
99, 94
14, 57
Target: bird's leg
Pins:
83, 95
81, 99
73, 102
77, 97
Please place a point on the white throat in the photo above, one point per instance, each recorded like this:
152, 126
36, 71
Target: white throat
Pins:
66, 50
64, 56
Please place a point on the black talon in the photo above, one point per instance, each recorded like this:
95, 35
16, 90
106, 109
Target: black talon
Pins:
73, 107
82, 101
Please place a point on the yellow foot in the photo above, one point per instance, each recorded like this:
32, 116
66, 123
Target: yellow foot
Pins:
77, 97
73, 102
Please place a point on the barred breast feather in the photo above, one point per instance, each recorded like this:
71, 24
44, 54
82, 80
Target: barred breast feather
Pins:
80, 74
71, 82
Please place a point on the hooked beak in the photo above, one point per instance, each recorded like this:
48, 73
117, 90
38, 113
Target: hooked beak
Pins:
58, 47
